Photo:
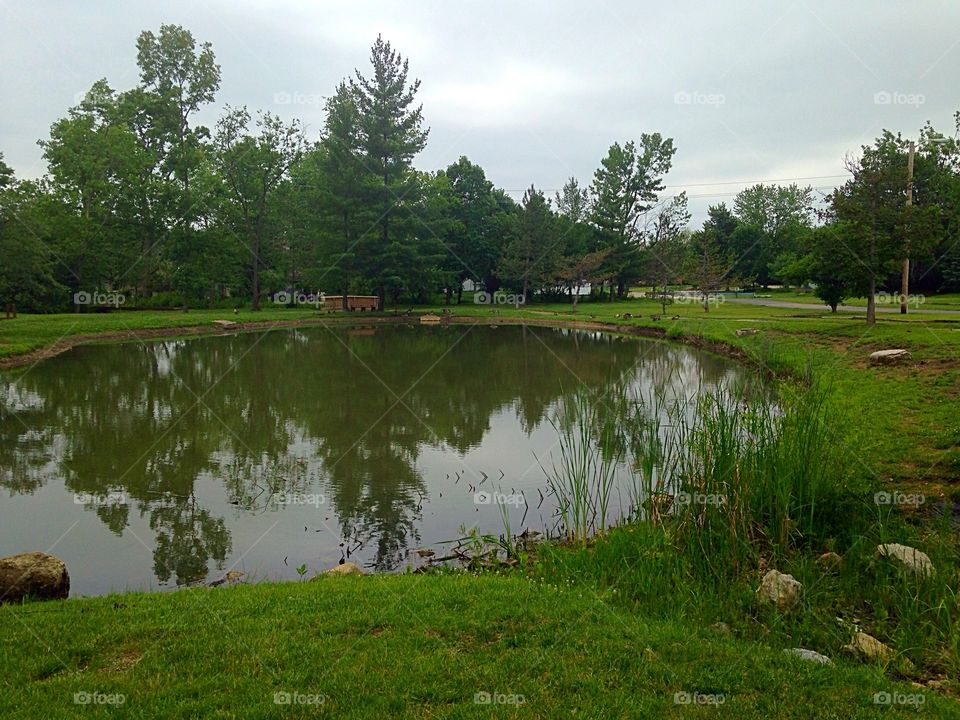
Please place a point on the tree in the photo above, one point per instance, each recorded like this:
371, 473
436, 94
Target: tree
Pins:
334, 179
666, 250
875, 219
826, 270
575, 271
773, 219
177, 80
573, 202
531, 255
96, 165
26, 263
474, 239
390, 135
625, 186
6, 175
253, 168
707, 265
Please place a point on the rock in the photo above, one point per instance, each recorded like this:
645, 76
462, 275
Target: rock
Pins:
780, 589
889, 357
35, 575
908, 557
810, 655
868, 647
233, 576
347, 568
225, 323
429, 319
424, 552
747, 331
722, 628
830, 561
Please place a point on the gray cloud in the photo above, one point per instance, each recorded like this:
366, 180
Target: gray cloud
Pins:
536, 91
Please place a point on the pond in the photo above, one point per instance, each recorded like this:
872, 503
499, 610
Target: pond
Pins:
160, 464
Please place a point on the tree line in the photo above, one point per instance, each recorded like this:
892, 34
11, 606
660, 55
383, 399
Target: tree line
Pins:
141, 199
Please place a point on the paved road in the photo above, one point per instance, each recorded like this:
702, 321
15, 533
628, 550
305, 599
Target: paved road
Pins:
845, 308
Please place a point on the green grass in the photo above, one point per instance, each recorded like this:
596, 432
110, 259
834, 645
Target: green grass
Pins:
30, 332
407, 647
433, 642
738, 486
928, 303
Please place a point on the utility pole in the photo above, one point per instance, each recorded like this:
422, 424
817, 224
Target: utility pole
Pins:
905, 273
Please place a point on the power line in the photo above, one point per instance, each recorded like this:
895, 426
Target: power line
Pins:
721, 182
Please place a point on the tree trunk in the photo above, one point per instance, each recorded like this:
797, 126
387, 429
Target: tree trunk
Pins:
256, 269
449, 293
460, 293
872, 302
574, 296
381, 297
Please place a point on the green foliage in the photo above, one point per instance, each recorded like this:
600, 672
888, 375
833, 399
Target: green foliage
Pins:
625, 186
532, 252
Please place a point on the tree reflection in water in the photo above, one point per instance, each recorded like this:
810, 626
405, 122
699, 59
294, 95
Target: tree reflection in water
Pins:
335, 412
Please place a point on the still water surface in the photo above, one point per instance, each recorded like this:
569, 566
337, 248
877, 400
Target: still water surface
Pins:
154, 465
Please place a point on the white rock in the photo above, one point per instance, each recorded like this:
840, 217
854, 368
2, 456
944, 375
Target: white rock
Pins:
345, 569
781, 589
910, 558
810, 655
869, 648
889, 357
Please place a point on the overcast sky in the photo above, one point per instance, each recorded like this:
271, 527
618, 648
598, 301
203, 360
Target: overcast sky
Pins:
537, 91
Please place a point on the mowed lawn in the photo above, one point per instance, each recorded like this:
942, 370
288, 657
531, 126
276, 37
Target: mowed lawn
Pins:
410, 646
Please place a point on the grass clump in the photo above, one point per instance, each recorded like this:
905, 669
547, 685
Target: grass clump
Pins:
726, 486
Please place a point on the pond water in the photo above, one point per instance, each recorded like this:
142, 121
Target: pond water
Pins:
160, 464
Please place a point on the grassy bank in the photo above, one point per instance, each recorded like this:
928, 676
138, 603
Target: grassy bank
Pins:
410, 646
796, 484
